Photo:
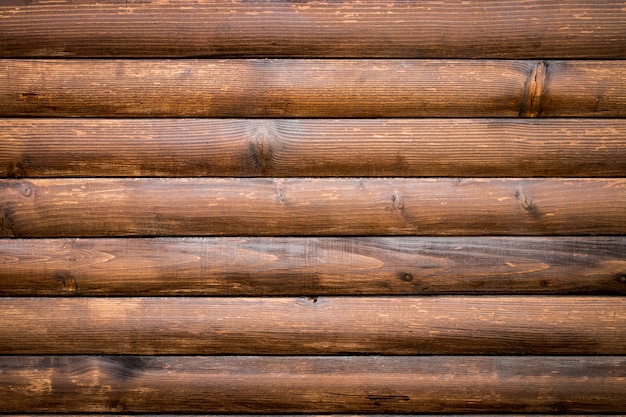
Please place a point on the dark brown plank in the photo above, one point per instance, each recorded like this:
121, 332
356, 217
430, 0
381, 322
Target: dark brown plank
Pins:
305, 147
312, 88
437, 29
312, 266
315, 325
311, 415
370, 384
331, 206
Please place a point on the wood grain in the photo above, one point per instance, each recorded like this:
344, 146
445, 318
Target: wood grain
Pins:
311, 415
315, 148
314, 326
312, 266
436, 29
370, 384
312, 88
310, 207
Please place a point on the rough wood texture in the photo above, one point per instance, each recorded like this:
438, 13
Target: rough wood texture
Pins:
312, 88
337, 206
431, 384
498, 29
312, 266
304, 147
314, 325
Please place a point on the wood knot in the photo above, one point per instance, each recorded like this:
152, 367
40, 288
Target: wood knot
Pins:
405, 277
26, 189
397, 202
260, 150
535, 87
526, 203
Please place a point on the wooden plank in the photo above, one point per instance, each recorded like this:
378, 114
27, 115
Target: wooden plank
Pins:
314, 325
305, 147
312, 88
437, 29
370, 384
312, 266
262, 88
310, 206
311, 415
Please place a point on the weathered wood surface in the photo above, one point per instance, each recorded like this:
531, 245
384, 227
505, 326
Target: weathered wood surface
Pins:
304, 147
437, 29
370, 384
310, 206
312, 88
314, 325
310, 415
312, 266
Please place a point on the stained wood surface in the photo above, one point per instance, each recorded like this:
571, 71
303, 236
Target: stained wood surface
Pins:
438, 29
240, 384
304, 147
310, 207
312, 266
312, 88
314, 325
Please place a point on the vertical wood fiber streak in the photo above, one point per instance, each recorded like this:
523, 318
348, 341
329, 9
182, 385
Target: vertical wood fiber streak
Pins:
309, 88
303, 147
312, 266
241, 384
425, 29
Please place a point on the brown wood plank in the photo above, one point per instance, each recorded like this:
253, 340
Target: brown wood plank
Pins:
315, 325
262, 88
311, 415
437, 29
312, 266
305, 147
240, 384
312, 88
318, 206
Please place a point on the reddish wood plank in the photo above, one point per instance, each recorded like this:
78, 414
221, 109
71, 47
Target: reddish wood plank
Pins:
240, 384
437, 29
336, 206
304, 147
312, 266
315, 325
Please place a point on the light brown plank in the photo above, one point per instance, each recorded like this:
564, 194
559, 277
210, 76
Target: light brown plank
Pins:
262, 88
311, 207
312, 88
437, 29
312, 266
433, 384
304, 147
314, 326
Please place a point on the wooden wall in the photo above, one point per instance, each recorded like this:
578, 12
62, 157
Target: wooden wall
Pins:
218, 207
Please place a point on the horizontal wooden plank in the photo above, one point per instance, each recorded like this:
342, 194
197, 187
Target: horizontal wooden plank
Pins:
309, 415
309, 147
364, 384
314, 325
312, 266
565, 28
312, 88
318, 206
